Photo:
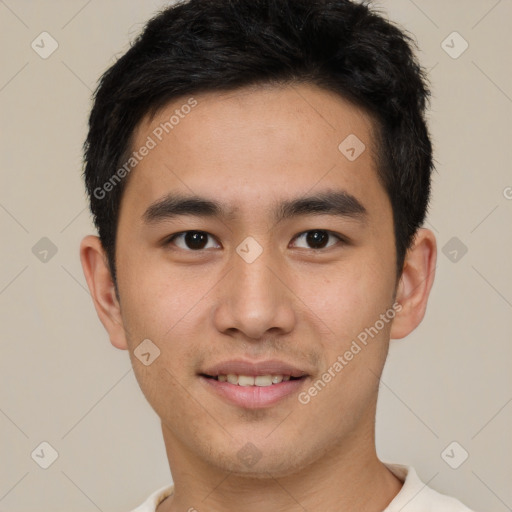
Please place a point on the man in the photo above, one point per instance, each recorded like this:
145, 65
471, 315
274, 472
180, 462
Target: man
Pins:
259, 173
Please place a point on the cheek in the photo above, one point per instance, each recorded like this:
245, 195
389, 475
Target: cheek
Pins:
155, 296
159, 309
351, 298
163, 305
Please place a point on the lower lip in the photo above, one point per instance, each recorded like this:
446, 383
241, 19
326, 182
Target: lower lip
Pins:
253, 397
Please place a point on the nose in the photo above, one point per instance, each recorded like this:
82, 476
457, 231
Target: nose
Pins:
255, 299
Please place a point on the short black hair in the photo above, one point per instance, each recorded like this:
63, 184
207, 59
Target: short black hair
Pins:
199, 46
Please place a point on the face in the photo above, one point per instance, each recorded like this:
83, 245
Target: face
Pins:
278, 274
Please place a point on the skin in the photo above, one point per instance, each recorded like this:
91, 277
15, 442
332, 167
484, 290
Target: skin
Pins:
248, 149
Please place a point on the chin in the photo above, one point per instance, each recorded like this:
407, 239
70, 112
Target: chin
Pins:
264, 463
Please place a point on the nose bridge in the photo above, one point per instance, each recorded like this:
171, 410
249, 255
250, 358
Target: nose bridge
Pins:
254, 300
252, 272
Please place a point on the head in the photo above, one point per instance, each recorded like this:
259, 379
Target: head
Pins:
288, 139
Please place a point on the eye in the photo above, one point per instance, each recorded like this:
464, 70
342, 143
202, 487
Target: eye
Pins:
318, 238
190, 240
194, 241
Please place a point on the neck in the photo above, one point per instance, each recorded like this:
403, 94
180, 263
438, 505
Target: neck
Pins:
347, 477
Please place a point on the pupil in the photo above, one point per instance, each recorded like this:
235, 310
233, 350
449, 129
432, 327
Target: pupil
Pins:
195, 239
318, 239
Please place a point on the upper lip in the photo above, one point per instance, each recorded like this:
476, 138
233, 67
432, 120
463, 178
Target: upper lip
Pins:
244, 367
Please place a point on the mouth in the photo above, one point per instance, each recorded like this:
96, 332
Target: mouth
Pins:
252, 380
252, 385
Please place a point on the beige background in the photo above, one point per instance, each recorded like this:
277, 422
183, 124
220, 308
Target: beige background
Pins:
63, 383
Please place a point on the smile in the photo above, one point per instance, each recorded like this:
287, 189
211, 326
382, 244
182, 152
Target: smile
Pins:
253, 380
253, 392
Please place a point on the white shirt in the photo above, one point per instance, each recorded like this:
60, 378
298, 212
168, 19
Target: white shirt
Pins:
414, 496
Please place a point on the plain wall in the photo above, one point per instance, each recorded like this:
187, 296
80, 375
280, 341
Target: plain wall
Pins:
63, 383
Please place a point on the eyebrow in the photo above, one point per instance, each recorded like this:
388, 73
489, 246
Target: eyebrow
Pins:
337, 202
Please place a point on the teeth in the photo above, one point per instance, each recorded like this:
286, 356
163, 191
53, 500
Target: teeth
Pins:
248, 380
244, 380
263, 380
232, 379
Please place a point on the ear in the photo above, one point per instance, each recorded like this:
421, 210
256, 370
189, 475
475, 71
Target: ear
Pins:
99, 280
415, 283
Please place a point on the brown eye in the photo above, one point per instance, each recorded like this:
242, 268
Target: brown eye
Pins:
190, 240
318, 238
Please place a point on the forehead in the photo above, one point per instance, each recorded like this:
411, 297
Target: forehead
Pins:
254, 145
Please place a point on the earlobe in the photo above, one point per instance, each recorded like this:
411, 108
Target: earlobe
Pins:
101, 287
415, 283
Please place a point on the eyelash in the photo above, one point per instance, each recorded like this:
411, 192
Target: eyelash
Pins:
341, 239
